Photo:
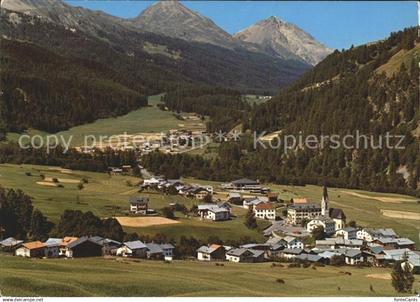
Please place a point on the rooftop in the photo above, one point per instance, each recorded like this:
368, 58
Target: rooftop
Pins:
33, 245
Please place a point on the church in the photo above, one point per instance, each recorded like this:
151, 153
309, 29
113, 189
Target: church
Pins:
331, 219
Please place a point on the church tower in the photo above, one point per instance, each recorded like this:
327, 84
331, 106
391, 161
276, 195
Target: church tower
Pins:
324, 203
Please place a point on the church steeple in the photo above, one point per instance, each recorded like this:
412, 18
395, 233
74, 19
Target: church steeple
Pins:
324, 202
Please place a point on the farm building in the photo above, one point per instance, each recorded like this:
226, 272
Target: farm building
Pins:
31, 249
83, 247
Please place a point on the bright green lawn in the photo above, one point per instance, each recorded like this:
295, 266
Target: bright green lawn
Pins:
149, 119
108, 277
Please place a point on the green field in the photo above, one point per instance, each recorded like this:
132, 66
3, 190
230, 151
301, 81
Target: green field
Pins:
108, 277
108, 196
149, 119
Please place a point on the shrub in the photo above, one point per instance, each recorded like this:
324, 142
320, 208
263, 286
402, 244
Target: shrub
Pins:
281, 281
168, 212
55, 180
80, 186
28, 173
84, 180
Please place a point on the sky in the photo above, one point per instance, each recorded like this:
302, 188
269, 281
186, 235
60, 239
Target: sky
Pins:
336, 24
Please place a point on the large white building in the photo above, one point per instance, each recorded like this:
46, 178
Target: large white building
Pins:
265, 211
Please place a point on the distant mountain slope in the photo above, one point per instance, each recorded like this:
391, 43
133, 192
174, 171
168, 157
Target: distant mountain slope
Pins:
235, 68
284, 40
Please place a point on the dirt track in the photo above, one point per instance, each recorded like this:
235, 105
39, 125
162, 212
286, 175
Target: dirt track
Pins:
401, 214
379, 198
139, 222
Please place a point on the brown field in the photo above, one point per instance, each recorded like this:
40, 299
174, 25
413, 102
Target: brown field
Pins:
63, 180
401, 214
385, 276
139, 222
46, 183
379, 198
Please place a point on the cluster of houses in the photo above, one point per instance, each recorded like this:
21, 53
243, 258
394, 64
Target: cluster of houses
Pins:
94, 246
348, 251
245, 185
187, 190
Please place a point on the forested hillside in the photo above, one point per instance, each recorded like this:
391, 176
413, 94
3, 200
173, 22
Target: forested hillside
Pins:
70, 76
225, 107
61, 92
359, 89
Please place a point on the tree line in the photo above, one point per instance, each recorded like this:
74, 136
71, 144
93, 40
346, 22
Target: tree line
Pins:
98, 161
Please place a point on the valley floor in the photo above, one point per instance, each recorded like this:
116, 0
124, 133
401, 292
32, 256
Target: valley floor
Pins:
111, 277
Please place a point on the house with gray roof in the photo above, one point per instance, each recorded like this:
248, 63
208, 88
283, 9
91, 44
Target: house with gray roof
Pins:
160, 251
290, 253
10, 244
138, 205
211, 252
309, 257
213, 212
83, 247
132, 249
245, 255
347, 233
52, 247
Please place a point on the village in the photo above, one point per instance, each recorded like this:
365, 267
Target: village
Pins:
301, 232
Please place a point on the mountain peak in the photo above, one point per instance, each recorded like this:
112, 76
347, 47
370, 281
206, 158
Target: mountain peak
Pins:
284, 40
273, 19
172, 18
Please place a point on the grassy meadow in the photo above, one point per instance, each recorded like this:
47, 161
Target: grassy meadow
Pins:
108, 196
144, 120
110, 277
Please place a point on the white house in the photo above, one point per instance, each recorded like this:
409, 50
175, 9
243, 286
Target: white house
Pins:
253, 201
265, 211
52, 247
210, 253
160, 251
293, 243
369, 234
133, 249
138, 205
31, 249
353, 256
347, 233
244, 255
327, 223
213, 212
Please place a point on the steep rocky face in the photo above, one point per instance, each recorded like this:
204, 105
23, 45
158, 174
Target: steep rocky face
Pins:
284, 40
171, 18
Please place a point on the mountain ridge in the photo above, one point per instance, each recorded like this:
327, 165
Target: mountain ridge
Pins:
281, 38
